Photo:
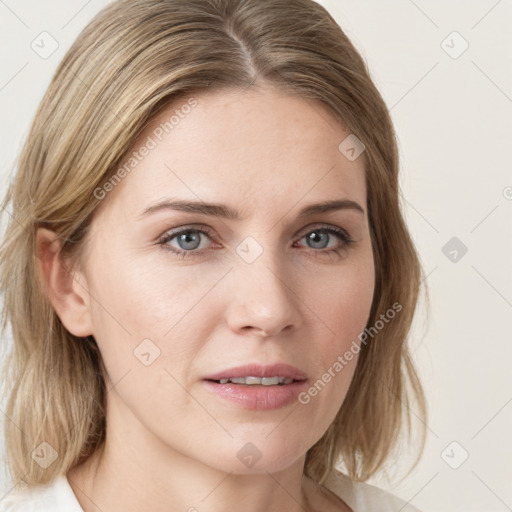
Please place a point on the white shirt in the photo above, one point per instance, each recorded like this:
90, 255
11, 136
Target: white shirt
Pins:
59, 497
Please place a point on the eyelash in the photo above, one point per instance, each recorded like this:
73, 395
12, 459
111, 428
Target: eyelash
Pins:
340, 233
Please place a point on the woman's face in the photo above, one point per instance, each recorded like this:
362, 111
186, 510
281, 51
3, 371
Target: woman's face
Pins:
269, 287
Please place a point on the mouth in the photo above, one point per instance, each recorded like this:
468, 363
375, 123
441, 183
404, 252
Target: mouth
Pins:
278, 374
257, 387
251, 380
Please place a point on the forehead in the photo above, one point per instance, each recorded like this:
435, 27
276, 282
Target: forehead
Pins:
257, 147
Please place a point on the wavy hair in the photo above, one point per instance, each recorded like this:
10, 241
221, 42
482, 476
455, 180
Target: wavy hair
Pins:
132, 60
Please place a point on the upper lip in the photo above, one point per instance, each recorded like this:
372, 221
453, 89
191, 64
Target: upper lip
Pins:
257, 370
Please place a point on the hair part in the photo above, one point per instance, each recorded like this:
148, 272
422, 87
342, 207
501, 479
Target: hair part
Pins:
131, 61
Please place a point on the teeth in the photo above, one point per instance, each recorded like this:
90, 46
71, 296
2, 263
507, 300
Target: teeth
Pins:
238, 380
251, 380
265, 381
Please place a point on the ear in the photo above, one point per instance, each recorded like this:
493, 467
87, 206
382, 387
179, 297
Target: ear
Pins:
66, 288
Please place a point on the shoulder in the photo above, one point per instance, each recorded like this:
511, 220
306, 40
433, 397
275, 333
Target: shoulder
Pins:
363, 497
52, 497
23, 499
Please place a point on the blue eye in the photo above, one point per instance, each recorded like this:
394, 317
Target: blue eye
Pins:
316, 236
189, 240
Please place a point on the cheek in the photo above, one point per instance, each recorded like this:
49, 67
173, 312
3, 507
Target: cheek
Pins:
148, 329
157, 308
343, 306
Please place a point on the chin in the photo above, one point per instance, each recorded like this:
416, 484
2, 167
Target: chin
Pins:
259, 456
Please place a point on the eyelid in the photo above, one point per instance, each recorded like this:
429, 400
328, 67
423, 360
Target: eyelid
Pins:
200, 228
320, 225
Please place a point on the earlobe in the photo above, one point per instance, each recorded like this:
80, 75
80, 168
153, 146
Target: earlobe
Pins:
66, 288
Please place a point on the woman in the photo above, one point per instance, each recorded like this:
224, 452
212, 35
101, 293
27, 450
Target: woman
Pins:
223, 285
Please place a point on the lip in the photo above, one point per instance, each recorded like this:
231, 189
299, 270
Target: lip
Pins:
258, 397
257, 370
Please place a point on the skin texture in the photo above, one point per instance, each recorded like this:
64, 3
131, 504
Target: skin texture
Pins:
171, 444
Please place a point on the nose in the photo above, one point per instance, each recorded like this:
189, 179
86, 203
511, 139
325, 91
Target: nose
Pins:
263, 299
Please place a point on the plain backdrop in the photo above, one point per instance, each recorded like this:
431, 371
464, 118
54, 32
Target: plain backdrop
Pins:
445, 71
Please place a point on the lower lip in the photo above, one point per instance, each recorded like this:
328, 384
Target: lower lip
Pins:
258, 397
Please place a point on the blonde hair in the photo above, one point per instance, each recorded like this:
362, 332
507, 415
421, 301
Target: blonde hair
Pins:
131, 61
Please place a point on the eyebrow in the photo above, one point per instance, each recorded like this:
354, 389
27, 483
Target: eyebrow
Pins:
226, 212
